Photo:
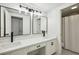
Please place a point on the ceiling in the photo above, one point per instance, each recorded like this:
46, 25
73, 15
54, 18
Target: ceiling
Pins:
68, 11
45, 7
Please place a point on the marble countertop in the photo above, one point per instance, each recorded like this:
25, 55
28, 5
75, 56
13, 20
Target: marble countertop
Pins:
23, 42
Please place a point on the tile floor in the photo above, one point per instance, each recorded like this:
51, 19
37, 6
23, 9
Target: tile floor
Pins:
67, 52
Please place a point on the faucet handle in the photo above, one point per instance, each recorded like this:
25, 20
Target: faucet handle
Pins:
11, 36
43, 31
11, 33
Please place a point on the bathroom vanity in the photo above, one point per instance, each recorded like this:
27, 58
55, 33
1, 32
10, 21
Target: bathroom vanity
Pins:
19, 34
31, 46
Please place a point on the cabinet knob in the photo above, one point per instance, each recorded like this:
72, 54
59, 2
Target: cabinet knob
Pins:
51, 43
38, 46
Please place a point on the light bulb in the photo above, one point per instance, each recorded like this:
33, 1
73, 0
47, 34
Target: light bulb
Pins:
19, 10
74, 7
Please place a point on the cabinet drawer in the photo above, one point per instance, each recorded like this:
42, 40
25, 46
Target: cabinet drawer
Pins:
37, 46
51, 47
22, 51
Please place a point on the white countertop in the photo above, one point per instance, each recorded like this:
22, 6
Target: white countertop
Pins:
6, 47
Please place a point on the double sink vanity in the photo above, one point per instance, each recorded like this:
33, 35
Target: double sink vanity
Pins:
24, 33
29, 46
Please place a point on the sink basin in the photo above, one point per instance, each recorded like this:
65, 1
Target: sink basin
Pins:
9, 45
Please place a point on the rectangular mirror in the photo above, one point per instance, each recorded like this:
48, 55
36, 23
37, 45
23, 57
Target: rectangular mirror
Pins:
40, 23
13, 21
16, 25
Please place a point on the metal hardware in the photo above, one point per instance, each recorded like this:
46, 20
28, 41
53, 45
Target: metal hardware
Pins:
51, 43
38, 46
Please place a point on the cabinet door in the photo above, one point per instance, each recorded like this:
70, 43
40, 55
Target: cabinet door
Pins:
51, 47
22, 51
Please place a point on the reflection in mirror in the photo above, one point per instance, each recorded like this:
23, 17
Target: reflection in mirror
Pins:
36, 24
13, 21
16, 25
39, 24
0, 22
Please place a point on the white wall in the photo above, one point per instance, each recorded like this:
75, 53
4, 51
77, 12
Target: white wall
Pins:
54, 23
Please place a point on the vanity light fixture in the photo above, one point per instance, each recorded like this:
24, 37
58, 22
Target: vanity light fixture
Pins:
33, 11
20, 10
29, 9
20, 6
40, 12
74, 7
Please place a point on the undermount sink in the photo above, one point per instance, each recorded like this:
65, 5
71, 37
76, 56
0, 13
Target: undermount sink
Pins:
9, 45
